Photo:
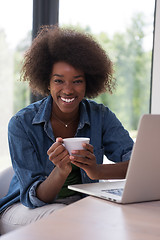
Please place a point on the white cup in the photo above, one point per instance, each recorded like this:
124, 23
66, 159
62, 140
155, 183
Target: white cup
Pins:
75, 143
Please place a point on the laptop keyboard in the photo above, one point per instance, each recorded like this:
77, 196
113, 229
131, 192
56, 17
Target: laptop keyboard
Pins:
118, 191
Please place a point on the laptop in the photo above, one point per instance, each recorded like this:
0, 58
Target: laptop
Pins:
143, 175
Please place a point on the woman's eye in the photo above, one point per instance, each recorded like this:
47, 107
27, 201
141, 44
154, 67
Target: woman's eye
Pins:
78, 81
58, 81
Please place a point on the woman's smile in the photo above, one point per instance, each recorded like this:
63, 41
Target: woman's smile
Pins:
67, 100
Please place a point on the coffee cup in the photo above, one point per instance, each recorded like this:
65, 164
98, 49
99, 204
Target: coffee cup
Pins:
75, 143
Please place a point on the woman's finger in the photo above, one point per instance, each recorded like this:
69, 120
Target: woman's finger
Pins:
88, 147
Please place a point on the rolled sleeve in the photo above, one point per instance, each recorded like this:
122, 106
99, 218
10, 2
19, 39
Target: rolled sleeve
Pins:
28, 164
116, 139
33, 197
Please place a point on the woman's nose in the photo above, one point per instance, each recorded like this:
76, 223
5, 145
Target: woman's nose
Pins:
68, 89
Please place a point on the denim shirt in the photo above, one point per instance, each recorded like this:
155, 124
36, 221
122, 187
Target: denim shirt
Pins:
30, 135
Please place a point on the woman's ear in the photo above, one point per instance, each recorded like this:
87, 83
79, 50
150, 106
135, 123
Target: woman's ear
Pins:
49, 88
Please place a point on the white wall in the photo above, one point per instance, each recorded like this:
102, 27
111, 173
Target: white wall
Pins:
155, 99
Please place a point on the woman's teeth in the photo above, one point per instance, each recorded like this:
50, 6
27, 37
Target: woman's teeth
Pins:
67, 99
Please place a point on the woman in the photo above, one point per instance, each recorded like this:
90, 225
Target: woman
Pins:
66, 66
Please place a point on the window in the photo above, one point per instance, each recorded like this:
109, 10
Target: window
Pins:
15, 37
125, 30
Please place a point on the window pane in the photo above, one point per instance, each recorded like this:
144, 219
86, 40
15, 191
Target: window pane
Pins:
125, 30
15, 37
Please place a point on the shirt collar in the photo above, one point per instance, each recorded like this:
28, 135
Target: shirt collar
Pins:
84, 117
44, 111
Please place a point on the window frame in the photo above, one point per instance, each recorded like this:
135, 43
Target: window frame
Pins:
155, 74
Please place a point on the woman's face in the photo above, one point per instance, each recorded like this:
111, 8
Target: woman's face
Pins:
67, 87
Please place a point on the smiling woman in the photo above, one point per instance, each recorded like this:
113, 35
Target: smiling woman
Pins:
68, 72
67, 66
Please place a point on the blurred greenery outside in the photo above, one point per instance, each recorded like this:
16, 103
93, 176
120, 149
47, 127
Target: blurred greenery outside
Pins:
132, 70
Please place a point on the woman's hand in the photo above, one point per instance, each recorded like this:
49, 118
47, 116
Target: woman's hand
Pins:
86, 160
60, 156
50, 187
